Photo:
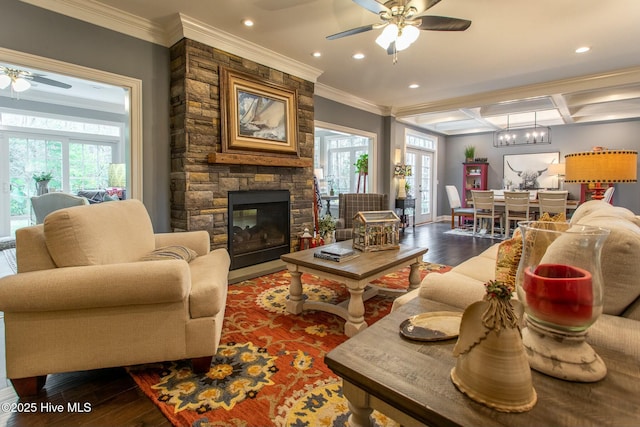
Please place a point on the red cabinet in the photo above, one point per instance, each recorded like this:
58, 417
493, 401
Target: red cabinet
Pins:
474, 177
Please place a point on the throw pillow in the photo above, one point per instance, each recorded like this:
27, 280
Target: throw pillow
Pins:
171, 252
509, 253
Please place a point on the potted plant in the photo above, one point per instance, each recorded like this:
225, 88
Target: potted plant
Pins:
407, 188
42, 182
469, 153
362, 164
326, 227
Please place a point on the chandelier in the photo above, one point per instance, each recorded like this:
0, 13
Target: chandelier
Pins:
15, 78
522, 135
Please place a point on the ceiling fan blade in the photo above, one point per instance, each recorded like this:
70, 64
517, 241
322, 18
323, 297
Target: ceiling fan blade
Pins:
443, 23
40, 79
373, 6
351, 32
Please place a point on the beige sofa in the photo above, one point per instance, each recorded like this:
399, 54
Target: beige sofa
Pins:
84, 299
617, 328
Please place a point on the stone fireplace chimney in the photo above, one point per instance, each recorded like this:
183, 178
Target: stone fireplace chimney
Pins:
199, 188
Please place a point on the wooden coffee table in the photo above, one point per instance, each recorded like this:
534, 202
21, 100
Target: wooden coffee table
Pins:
356, 274
410, 382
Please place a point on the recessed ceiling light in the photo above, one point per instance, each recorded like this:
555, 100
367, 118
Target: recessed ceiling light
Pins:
583, 49
247, 22
358, 55
316, 54
414, 86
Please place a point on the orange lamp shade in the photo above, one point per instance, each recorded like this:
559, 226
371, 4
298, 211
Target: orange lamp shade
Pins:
601, 167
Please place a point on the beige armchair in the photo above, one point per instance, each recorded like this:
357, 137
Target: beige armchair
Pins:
84, 299
350, 204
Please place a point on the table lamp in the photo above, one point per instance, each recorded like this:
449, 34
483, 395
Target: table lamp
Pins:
402, 171
601, 166
557, 169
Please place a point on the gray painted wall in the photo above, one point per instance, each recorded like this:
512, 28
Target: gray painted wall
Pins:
564, 139
36, 31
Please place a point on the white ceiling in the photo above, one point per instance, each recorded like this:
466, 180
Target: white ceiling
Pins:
517, 56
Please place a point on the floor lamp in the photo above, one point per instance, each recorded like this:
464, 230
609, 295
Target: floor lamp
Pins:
597, 167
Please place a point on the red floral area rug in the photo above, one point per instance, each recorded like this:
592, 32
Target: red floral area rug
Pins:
269, 369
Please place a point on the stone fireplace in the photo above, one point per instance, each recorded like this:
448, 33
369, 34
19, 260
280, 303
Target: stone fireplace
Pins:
201, 185
258, 226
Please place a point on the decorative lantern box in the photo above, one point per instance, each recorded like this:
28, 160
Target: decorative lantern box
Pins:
376, 231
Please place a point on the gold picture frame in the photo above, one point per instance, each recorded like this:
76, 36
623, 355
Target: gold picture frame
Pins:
257, 116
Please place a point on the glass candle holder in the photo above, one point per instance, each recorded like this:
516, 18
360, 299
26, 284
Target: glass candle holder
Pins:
559, 281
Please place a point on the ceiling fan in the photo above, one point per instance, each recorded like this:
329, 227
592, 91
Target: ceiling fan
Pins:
20, 80
402, 21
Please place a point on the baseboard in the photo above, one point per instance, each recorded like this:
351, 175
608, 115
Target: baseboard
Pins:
257, 270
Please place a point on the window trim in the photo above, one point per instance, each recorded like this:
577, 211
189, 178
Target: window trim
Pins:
373, 175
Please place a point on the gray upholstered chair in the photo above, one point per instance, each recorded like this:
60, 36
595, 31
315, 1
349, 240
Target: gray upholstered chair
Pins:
456, 206
49, 202
350, 204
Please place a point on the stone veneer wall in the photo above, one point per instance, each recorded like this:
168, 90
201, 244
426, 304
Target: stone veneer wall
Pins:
199, 189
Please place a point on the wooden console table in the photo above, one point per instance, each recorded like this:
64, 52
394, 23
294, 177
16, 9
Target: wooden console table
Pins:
409, 382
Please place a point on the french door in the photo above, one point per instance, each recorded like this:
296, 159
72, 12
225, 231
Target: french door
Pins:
421, 182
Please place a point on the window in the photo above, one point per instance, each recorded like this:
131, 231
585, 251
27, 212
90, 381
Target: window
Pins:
336, 151
76, 152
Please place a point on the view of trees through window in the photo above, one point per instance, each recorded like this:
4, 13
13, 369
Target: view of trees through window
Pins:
336, 153
76, 154
88, 168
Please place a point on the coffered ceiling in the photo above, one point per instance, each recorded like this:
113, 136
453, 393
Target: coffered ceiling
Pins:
516, 64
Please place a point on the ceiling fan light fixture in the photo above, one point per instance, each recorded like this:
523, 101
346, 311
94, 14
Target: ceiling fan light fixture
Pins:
406, 36
388, 35
20, 84
5, 81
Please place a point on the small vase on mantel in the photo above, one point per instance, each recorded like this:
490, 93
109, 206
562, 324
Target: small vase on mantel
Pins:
42, 187
492, 367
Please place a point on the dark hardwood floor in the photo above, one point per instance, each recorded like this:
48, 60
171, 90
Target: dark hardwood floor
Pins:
113, 399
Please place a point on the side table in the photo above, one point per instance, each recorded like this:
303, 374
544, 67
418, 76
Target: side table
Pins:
404, 204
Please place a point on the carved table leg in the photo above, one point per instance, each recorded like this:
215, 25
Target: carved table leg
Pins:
358, 401
355, 322
296, 299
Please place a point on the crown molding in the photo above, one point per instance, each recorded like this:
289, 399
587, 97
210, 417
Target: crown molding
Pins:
573, 84
105, 16
350, 100
194, 29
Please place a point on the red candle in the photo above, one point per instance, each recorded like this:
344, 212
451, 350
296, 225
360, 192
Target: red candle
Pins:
559, 294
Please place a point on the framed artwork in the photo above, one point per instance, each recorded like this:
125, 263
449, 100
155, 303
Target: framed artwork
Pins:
529, 171
257, 116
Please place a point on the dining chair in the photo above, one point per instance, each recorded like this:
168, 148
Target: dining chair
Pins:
516, 208
484, 208
552, 202
608, 194
456, 206
45, 204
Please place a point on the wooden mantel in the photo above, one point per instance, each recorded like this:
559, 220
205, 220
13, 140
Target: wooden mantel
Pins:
260, 160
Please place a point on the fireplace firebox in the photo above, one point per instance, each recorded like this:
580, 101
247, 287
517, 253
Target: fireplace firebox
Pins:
259, 226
